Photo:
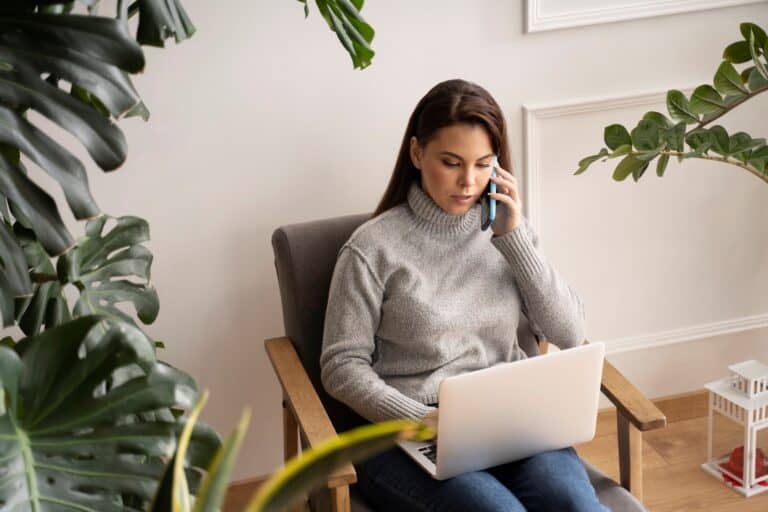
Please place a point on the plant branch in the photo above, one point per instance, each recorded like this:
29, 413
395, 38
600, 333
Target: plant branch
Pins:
723, 159
728, 109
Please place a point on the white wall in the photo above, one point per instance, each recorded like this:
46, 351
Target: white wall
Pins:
260, 121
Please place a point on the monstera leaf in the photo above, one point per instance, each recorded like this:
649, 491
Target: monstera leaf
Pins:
14, 278
67, 441
161, 19
46, 306
354, 33
103, 266
100, 263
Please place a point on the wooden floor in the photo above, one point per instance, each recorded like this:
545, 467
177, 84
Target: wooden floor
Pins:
673, 478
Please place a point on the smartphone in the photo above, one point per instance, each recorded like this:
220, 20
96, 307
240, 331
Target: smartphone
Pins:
491, 200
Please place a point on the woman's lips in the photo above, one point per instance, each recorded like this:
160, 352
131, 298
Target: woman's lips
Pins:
462, 199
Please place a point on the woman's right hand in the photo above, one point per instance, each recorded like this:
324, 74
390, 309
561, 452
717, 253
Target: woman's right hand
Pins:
430, 419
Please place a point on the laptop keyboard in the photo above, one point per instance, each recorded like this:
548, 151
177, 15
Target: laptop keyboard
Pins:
430, 452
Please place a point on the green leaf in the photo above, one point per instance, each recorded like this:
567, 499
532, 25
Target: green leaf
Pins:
354, 33
679, 108
616, 135
647, 156
638, 172
741, 142
737, 52
37, 207
14, 276
661, 165
759, 37
759, 158
755, 80
700, 140
720, 143
60, 164
100, 38
645, 136
660, 119
214, 487
706, 100
10, 374
621, 150
629, 165
99, 264
160, 20
756, 55
181, 498
300, 475
675, 136
306, 8
70, 437
47, 304
584, 163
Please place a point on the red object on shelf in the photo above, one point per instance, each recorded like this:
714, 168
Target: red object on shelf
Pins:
735, 465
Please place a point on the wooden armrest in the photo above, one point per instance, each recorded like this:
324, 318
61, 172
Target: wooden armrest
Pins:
303, 402
629, 401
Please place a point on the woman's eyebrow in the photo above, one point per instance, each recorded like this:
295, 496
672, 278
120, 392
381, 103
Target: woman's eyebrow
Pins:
457, 156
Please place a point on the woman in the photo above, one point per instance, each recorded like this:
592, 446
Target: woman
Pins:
420, 292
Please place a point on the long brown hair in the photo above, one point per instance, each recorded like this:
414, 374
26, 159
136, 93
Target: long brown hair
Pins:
449, 102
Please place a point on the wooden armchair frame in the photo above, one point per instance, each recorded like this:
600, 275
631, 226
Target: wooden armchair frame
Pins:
305, 416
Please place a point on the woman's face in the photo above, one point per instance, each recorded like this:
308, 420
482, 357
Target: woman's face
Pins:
456, 162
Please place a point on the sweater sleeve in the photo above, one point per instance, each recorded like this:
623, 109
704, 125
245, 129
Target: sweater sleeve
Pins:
351, 321
551, 305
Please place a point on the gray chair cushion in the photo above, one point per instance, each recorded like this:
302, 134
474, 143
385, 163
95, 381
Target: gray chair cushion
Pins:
305, 256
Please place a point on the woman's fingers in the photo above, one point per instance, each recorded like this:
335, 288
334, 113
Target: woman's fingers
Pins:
509, 187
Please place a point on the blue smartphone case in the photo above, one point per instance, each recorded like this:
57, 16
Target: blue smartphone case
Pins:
491, 200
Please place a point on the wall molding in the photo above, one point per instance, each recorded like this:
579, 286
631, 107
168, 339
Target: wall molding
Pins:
534, 113
535, 21
532, 172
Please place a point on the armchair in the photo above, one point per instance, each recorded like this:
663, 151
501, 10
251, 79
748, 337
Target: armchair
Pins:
305, 256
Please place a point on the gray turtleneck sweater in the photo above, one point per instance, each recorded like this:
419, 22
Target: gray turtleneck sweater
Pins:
419, 294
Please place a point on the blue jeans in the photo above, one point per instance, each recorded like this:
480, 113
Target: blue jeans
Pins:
555, 480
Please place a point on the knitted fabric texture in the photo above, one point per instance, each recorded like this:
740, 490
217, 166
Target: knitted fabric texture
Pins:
419, 294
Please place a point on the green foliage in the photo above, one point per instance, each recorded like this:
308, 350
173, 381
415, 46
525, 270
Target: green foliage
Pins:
82, 422
658, 136
354, 33
88, 415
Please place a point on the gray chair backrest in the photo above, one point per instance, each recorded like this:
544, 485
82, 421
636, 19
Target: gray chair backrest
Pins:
305, 256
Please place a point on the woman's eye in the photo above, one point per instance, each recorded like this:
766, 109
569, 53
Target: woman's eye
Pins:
450, 164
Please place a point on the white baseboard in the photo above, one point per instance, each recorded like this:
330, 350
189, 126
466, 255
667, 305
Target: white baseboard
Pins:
665, 338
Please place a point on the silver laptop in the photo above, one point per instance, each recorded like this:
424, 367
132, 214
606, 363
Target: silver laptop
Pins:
511, 411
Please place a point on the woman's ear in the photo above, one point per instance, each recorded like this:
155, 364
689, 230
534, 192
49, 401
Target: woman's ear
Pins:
415, 152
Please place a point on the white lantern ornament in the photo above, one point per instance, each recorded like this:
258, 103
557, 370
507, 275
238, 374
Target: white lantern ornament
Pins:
742, 397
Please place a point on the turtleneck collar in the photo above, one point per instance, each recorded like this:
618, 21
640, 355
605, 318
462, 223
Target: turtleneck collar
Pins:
434, 219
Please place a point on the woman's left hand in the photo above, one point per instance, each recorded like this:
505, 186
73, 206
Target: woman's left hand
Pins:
509, 207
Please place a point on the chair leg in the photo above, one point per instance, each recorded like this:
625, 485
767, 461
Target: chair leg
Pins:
340, 499
630, 456
290, 433
290, 441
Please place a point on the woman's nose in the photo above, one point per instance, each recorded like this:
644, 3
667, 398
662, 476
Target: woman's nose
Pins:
468, 177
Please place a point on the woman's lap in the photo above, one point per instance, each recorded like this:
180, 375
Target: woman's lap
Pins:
554, 480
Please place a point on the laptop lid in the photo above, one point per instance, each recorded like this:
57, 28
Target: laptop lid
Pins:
514, 410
